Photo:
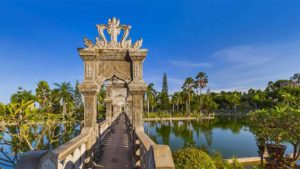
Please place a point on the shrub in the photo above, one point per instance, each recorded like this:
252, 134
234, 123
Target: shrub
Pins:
235, 164
220, 163
192, 158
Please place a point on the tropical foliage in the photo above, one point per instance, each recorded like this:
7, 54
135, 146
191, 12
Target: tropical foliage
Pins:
192, 101
278, 125
38, 121
24, 129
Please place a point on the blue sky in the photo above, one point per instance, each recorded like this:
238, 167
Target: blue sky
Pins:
240, 44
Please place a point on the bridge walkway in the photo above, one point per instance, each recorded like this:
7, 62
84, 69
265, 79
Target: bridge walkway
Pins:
117, 149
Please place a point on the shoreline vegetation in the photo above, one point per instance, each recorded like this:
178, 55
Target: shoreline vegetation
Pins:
64, 103
155, 116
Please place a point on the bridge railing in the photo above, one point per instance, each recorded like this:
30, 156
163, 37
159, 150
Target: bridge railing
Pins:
149, 155
70, 155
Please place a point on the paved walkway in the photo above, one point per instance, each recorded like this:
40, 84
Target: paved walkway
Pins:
117, 152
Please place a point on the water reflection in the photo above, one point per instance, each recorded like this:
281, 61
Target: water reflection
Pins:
228, 135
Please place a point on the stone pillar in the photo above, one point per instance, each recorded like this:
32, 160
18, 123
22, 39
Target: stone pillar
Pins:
137, 88
90, 91
137, 108
108, 105
129, 108
115, 112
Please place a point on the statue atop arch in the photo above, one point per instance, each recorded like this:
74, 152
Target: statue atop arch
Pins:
113, 28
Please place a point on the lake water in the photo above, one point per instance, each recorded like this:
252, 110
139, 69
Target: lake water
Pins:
8, 152
228, 135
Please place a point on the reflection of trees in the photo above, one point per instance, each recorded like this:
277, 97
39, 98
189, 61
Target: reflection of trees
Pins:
207, 128
164, 130
185, 129
227, 123
181, 130
150, 125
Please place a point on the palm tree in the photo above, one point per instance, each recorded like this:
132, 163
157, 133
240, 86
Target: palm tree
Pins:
173, 101
64, 93
177, 99
24, 95
296, 78
151, 94
185, 97
188, 88
42, 94
201, 82
234, 98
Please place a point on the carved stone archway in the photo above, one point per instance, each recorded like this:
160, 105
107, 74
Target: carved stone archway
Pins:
106, 59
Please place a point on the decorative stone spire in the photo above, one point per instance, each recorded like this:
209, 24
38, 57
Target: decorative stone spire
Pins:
113, 28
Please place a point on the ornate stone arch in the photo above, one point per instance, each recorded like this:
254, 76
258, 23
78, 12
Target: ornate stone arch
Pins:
104, 59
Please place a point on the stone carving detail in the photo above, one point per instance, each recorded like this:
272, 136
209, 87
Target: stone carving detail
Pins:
137, 71
119, 68
138, 110
90, 103
113, 28
88, 70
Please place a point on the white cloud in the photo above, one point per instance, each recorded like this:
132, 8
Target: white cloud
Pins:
252, 66
189, 64
245, 56
238, 67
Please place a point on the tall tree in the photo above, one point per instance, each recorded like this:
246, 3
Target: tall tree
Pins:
42, 94
64, 92
177, 99
234, 99
21, 94
296, 79
200, 83
188, 88
151, 94
2, 109
77, 97
164, 96
165, 84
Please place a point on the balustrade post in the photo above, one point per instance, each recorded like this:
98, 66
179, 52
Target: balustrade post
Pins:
90, 90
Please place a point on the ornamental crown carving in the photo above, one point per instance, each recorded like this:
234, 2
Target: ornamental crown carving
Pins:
113, 28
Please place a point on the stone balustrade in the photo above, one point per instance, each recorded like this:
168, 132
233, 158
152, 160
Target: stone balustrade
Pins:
102, 126
147, 154
70, 155
73, 154
150, 155
67, 156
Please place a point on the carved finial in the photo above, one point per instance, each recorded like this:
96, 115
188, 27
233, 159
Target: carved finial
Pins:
138, 44
113, 28
88, 43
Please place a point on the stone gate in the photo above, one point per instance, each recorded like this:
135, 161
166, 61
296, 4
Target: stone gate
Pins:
107, 59
120, 63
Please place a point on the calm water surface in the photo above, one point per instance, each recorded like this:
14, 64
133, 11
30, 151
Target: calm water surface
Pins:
228, 135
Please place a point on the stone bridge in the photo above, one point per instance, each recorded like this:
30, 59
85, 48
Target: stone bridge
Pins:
118, 142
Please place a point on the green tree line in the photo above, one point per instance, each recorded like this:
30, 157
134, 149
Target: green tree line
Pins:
192, 100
